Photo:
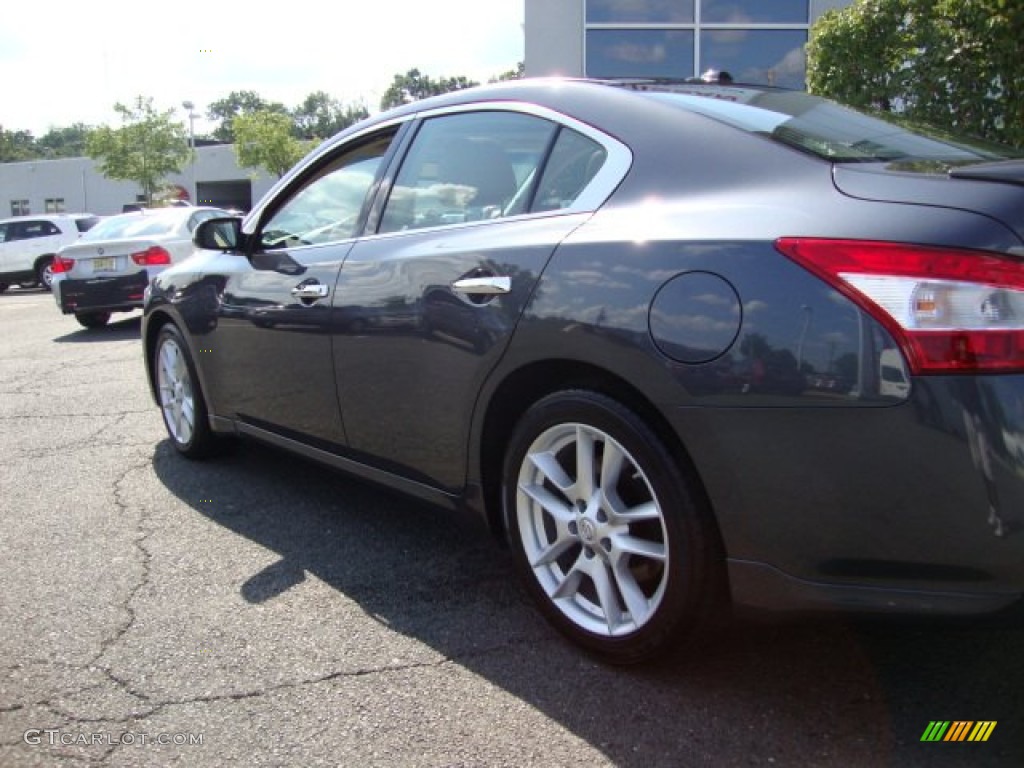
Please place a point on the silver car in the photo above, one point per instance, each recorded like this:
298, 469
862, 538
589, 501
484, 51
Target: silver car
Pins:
108, 269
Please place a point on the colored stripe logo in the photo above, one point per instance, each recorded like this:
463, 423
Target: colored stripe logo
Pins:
958, 730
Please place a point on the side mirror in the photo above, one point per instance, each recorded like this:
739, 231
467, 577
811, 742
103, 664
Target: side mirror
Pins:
224, 234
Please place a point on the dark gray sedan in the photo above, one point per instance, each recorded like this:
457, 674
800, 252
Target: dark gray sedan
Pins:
680, 345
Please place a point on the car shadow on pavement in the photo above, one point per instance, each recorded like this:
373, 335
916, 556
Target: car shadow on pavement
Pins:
128, 328
807, 692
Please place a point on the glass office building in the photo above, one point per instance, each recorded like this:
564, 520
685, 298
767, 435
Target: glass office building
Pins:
756, 41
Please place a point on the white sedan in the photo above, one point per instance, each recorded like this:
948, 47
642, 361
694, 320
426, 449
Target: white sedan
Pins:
108, 268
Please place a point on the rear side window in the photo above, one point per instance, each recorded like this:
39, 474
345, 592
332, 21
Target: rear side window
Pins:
27, 230
84, 225
574, 162
467, 167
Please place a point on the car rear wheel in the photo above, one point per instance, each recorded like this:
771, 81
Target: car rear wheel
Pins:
4, 287
92, 319
181, 399
606, 528
44, 271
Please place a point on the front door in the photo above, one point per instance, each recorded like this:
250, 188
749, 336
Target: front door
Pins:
274, 315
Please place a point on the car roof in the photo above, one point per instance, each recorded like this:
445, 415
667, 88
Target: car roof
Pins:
48, 216
586, 99
174, 211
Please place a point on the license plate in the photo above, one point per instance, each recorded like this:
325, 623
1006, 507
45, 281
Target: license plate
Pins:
108, 264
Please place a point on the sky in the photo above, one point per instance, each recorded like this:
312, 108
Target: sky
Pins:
68, 61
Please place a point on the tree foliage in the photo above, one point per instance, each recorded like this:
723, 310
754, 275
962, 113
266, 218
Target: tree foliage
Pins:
16, 146
235, 104
264, 140
413, 86
512, 74
147, 146
319, 116
953, 63
70, 141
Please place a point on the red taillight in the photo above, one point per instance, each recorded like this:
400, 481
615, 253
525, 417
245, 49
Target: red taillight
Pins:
950, 310
152, 257
61, 264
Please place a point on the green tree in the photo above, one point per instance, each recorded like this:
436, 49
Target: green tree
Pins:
70, 141
512, 74
148, 146
238, 103
264, 140
320, 117
16, 146
953, 63
413, 86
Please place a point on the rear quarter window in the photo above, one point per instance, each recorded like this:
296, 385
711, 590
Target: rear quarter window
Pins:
84, 225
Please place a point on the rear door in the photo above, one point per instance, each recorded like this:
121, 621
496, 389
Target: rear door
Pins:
426, 304
30, 240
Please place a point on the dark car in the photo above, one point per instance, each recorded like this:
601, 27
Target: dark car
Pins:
646, 287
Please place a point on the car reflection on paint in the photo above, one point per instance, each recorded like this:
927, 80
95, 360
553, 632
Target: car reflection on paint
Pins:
681, 346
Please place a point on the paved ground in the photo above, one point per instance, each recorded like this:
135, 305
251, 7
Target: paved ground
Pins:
286, 616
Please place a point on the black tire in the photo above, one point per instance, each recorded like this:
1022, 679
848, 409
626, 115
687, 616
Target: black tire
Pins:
44, 273
4, 287
93, 319
180, 397
661, 574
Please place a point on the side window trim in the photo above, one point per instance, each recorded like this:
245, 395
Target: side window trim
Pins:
538, 172
390, 165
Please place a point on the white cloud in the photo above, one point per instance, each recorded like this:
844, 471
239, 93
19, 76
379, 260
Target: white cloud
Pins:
75, 63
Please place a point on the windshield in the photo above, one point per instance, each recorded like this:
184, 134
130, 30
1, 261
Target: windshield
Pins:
831, 131
131, 225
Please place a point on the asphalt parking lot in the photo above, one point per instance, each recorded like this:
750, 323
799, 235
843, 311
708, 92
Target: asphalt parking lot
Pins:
258, 610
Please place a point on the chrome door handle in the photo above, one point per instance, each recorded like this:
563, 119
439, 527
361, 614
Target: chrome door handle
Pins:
311, 291
483, 286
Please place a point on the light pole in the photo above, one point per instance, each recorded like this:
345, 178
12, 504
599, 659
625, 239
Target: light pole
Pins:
808, 314
194, 192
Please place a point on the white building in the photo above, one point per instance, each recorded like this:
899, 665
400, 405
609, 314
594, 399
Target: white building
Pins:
753, 40
76, 184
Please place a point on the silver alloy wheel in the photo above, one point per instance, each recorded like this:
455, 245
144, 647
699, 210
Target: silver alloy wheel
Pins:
592, 529
46, 276
175, 387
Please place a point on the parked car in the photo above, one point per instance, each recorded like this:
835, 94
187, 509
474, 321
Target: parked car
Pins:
645, 294
29, 243
108, 269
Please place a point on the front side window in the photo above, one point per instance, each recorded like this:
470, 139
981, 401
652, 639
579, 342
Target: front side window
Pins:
467, 167
328, 207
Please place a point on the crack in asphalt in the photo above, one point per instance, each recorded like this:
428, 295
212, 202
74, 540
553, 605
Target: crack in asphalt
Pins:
139, 542
64, 416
